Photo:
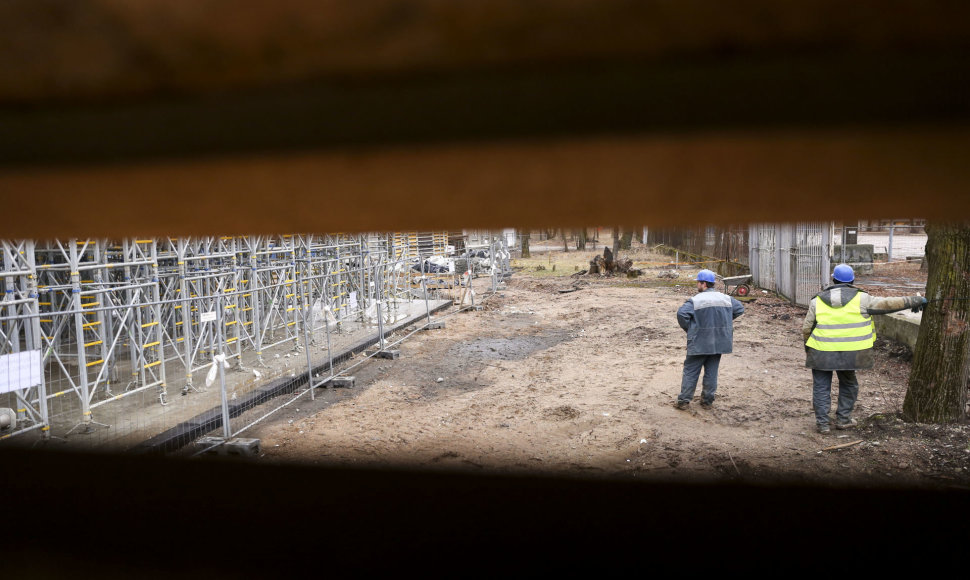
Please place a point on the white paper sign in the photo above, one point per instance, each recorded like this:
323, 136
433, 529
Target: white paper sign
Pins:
20, 370
209, 316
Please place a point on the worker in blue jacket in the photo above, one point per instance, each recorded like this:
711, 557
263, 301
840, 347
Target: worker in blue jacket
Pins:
708, 319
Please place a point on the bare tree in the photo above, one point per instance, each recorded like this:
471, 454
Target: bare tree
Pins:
616, 240
937, 390
581, 239
565, 245
626, 240
525, 245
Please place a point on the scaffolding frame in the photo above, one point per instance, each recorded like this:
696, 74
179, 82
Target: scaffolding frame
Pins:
117, 317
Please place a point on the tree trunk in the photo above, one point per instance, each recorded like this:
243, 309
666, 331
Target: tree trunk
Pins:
581, 239
565, 244
941, 363
616, 240
626, 240
525, 245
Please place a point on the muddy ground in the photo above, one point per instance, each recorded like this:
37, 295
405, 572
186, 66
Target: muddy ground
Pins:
582, 383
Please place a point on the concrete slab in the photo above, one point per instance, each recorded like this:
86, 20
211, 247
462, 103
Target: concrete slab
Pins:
903, 327
859, 256
386, 353
243, 446
239, 446
341, 382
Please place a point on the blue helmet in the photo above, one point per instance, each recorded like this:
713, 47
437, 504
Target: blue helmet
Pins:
843, 273
705, 276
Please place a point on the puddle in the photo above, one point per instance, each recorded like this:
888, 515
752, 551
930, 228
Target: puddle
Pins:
508, 348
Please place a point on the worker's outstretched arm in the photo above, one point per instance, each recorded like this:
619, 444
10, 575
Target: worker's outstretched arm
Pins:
892, 304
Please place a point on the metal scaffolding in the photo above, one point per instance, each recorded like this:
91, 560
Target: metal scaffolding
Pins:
111, 318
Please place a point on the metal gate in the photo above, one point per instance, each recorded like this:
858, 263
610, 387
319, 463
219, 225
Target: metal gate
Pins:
791, 259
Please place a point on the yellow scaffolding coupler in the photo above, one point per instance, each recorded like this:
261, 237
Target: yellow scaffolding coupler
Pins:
151, 344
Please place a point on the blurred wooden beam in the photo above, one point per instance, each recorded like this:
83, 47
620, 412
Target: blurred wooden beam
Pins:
177, 117
652, 180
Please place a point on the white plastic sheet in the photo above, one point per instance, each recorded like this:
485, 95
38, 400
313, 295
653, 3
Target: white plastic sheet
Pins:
214, 369
20, 370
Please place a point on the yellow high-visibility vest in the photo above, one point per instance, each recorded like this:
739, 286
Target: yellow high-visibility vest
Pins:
842, 329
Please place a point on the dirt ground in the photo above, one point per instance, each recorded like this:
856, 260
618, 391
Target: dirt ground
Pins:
582, 383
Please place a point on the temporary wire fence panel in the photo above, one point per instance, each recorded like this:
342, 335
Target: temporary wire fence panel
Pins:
763, 248
812, 264
785, 258
791, 259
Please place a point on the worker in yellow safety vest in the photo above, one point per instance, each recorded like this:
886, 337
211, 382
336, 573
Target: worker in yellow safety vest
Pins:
839, 335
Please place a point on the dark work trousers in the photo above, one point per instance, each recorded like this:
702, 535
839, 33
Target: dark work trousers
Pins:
822, 395
692, 370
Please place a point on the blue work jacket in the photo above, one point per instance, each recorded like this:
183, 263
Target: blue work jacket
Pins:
708, 319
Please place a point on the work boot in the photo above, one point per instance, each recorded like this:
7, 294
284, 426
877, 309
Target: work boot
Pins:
846, 424
681, 405
823, 428
707, 405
